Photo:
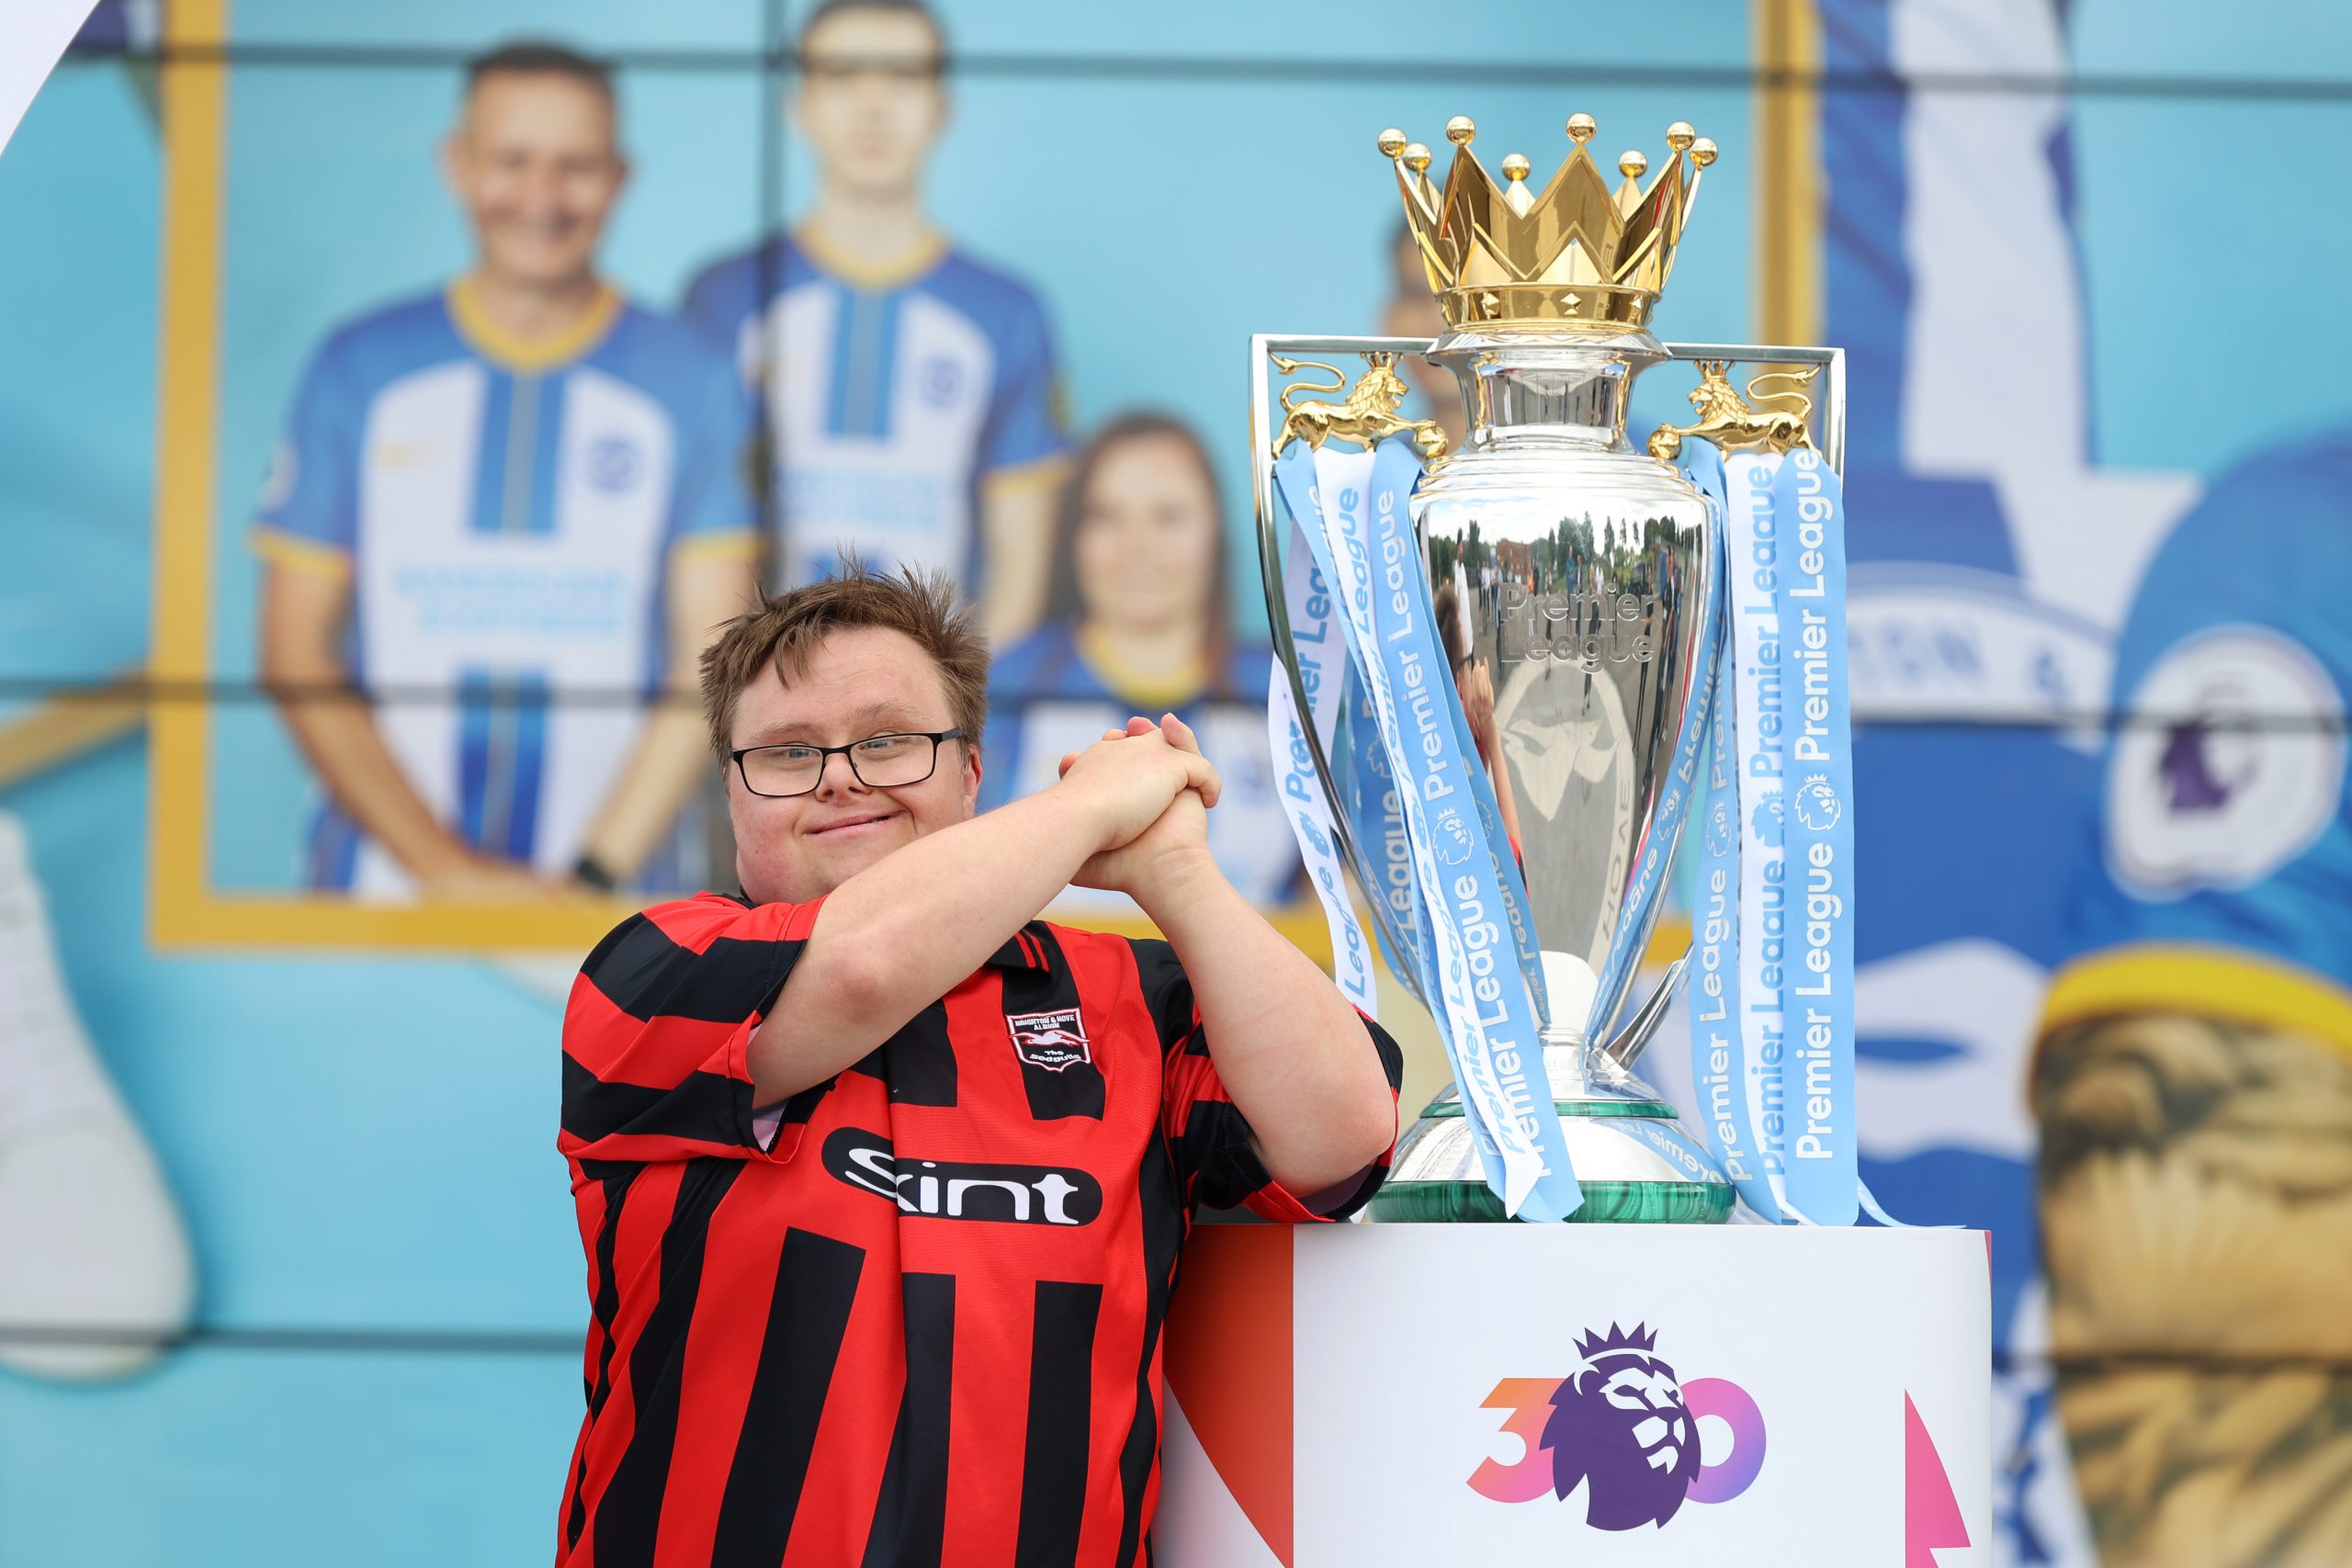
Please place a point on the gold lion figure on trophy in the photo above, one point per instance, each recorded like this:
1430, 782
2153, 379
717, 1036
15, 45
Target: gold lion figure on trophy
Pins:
1367, 417
1734, 423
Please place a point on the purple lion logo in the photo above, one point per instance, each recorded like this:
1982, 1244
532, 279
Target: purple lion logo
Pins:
1619, 1426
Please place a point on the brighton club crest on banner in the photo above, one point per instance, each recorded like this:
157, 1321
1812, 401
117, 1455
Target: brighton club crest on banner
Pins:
1623, 1430
1053, 1040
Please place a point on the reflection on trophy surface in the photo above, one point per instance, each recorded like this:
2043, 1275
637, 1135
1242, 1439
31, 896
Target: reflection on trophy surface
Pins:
1585, 575
1563, 742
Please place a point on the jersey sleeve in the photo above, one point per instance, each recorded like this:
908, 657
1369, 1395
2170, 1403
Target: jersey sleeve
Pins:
657, 1034
711, 505
1216, 1163
718, 305
309, 511
1025, 426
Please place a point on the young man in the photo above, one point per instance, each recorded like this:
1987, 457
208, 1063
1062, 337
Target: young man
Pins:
492, 496
881, 1180
910, 389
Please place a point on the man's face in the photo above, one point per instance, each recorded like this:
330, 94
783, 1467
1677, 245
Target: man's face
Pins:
1147, 546
532, 163
870, 100
860, 681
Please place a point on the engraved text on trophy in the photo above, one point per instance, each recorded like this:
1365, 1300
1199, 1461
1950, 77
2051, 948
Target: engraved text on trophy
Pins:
1588, 628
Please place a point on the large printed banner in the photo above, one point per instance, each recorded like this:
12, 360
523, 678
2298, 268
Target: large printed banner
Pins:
2096, 623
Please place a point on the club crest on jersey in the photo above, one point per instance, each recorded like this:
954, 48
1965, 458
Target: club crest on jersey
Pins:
1053, 1040
612, 463
943, 380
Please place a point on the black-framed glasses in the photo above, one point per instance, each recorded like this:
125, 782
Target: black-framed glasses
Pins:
880, 761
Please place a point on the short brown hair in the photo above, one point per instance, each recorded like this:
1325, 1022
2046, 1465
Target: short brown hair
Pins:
539, 57
829, 9
782, 630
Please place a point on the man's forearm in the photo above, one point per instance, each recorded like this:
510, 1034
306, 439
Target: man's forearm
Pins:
903, 933
672, 752
1018, 526
1288, 1047
705, 587
339, 738
302, 621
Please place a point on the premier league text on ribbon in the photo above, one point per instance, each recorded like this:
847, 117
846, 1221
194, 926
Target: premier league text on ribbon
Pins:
1484, 1009
1755, 657
1787, 843
1823, 1173
1809, 651
1322, 668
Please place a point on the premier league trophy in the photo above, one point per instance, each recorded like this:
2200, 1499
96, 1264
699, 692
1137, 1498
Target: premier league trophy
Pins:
1589, 578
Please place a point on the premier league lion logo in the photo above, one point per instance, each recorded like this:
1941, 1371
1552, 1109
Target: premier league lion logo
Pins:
1620, 1428
1817, 804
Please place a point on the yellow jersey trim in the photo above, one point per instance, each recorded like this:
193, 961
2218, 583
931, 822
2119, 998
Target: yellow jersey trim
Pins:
305, 555
734, 542
1164, 689
859, 273
2209, 981
1042, 473
529, 355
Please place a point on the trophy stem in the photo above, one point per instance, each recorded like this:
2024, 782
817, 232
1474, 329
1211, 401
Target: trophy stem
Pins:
1547, 387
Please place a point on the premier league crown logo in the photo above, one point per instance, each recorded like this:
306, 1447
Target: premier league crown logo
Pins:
1619, 1426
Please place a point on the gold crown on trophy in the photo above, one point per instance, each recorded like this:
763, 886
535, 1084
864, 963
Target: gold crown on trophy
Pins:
1577, 255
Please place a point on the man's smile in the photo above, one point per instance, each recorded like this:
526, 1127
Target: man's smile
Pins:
854, 824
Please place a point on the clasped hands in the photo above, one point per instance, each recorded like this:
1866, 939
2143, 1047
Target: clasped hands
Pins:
1145, 791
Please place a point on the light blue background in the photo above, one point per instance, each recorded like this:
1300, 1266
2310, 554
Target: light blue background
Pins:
368, 1145
1162, 221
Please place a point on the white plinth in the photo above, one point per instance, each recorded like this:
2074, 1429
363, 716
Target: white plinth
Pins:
1337, 1397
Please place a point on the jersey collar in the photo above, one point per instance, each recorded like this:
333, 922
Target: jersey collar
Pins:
529, 355
1024, 949
872, 277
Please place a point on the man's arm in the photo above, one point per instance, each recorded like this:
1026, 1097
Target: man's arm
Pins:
908, 929
302, 621
1017, 528
1022, 465
1289, 1049
705, 587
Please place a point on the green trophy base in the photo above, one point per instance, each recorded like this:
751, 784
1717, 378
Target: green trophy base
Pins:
1437, 1176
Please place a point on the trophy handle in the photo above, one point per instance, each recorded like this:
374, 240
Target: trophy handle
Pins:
1266, 352
1635, 1037
1832, 362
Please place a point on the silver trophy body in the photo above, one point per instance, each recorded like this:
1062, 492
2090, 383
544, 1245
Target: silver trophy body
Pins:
1587, 583
1591, 589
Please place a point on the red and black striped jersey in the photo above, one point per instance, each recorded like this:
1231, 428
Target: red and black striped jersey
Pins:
910, 1316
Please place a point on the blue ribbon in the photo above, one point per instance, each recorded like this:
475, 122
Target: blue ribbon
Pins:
1816, 796
1475, 989
1377, 818
1777, 1096
1720, 1063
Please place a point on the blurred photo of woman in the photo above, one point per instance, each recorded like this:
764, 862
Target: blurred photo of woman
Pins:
1138, 621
